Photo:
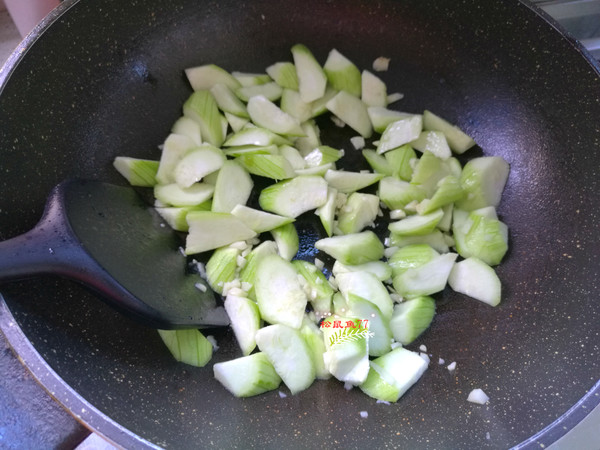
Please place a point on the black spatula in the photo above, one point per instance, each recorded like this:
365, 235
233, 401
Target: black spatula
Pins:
107, 238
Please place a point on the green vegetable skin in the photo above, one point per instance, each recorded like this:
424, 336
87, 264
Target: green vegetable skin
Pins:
188, 346
238, 128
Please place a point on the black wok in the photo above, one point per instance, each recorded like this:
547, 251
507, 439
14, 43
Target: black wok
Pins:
105, 78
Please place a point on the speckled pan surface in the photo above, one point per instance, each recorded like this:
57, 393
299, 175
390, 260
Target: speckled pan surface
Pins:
106, 79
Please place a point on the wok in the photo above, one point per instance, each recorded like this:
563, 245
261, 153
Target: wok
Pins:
104, 78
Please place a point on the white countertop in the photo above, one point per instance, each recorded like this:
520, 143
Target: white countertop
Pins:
9, 36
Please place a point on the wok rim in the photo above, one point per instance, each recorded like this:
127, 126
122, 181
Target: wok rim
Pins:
71, 401
577, 45
21, 50
58, 389
100, 423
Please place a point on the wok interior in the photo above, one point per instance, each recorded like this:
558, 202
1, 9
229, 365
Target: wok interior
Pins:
106, 79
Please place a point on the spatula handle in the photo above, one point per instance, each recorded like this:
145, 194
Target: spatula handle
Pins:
42, 250
49, 248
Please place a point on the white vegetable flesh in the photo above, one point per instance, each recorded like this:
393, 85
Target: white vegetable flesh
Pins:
478, 396
288, 353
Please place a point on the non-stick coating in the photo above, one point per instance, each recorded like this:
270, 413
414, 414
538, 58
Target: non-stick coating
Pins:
107, 79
